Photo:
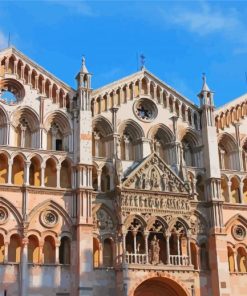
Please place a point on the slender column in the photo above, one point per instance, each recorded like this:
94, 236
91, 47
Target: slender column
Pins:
126, 139
241, 194
157, 147
54, 131
124, 247
146, 234
7, 65
23, 132
24, 267
96, 141
178, 244
15, 67
58, 175
57, 253
50, 91
168, 248
27, 172
100, 254
42, 176
22, 72
6, 252
41, 254
229, 184
186, 114
134, 235
10, 164
36, 82
57, 96
43, 87
29, 77
235, 254
99, 180
188, 250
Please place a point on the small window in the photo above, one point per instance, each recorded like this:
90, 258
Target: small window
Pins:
59, 144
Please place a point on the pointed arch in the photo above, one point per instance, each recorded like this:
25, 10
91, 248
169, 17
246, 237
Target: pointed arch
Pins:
12, 209
237, 217
52, 205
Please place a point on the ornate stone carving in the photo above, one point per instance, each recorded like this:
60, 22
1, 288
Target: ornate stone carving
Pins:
155, 175
103, 221
154, 251
49, 218
142, 202
3, 215
239, 232
197, 225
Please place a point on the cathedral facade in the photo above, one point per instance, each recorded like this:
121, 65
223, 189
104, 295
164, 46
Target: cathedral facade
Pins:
127, 190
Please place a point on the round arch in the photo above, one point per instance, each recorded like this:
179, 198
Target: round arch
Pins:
159, 286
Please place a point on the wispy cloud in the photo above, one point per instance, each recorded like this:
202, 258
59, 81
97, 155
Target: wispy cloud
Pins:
207, 19
79, 7
3, 40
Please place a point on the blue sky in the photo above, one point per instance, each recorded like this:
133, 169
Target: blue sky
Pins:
180, 39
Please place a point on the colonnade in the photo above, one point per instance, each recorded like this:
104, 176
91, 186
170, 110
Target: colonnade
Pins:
49, 173
237, 259
234, 189
30, 249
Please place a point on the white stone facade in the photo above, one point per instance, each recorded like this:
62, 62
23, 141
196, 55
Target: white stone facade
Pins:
128, 190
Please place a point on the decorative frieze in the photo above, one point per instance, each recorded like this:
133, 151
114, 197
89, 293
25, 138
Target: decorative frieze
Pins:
150, 202
155, 175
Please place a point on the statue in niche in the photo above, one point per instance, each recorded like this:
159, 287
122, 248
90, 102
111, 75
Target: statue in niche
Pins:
155, 251
154, 180
165, 182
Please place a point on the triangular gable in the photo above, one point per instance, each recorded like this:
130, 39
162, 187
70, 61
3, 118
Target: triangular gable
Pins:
154, 174
114, 86
12, 51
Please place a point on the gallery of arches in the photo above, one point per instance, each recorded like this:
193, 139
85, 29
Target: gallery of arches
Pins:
130, 189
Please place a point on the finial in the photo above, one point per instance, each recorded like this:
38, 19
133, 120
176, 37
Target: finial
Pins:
83, 59
204, 85
142, 60
83, 65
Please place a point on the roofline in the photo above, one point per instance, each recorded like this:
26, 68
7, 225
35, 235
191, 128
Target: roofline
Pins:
129, 77
231, 103
12, 49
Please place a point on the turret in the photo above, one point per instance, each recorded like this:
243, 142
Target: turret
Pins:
84, 86
206, 97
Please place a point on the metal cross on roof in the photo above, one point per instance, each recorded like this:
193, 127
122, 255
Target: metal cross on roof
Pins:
142, 60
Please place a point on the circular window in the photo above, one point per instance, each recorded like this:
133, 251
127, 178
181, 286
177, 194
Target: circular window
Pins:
11, 91
238, 232
49, 218
3, 215
145, 110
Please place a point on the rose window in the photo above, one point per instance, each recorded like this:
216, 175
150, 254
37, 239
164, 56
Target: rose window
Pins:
145, 110
49, 218
3, 215
239, 232
11, 91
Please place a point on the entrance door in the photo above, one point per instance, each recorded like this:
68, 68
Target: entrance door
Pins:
159, 287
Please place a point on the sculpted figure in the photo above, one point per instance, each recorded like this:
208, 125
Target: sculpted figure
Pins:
155, 251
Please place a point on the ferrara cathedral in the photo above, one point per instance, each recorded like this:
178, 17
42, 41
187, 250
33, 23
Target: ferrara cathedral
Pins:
126, 190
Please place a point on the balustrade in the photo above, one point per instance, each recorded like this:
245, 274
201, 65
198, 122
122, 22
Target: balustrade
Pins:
177, 260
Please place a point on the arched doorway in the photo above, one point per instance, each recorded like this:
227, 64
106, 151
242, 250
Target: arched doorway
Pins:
159, 287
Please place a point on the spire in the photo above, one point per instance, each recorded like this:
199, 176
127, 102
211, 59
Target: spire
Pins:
204, 85
83, 77
83, 65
